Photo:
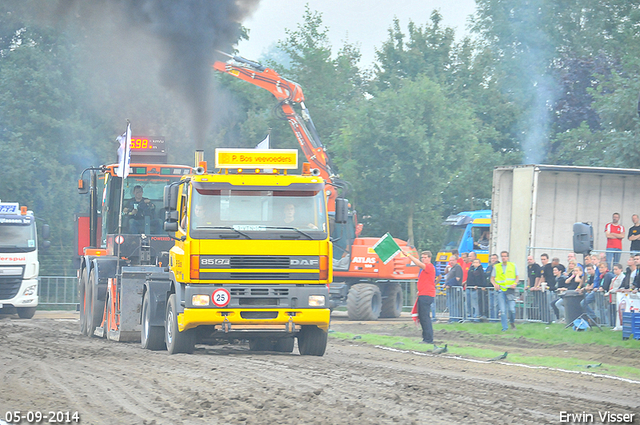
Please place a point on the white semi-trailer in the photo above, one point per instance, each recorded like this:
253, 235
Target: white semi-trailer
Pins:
534, 207
19, 264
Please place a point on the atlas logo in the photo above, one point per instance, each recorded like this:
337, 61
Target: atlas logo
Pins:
215, 261
364, 260
296, 262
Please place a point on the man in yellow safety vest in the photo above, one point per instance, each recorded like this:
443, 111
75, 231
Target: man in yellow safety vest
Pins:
505, 279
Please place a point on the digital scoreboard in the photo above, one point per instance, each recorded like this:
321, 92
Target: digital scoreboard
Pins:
148, 149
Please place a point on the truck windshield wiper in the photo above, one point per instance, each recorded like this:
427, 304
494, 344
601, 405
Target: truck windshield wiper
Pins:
18, 248
224, 228
289, 228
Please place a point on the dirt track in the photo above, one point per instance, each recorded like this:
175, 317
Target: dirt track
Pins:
46, 365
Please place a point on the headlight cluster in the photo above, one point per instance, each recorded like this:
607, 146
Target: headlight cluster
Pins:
316, 300
31, 290
200, 300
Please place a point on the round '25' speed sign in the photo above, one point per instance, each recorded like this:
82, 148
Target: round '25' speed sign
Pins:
220, 297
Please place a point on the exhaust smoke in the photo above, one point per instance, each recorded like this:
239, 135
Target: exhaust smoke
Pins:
188, 33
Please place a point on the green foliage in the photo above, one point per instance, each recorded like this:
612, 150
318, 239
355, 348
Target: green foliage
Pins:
417, 138
428, 50
400, 149
41, 133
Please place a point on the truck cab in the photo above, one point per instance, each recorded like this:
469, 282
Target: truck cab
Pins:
466, 231
123, 229
19, 266
252, 258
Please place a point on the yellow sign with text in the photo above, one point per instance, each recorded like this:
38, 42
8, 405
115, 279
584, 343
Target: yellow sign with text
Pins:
253, 158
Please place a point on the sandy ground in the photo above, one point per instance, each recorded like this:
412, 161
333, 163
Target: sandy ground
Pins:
47, 365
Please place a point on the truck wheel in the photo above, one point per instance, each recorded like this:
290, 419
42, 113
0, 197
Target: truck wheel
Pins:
312, 341
260, 344
83, 301
177, 342
95, 309
283, 345
151, 337
392, 301
26, 312
364, 302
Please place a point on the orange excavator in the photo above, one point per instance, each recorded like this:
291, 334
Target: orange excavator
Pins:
369, 288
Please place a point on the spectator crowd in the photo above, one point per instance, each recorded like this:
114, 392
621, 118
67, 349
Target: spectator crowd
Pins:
602, 273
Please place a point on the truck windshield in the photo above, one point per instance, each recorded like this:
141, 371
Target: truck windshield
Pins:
142, 205
258, 214
454, 235
16, 237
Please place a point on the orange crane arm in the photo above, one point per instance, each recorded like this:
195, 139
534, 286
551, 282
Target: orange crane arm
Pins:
288, 94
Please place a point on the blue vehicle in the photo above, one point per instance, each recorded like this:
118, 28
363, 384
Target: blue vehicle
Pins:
468, 231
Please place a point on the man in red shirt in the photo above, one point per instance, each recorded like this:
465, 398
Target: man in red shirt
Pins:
615, 233
426, 293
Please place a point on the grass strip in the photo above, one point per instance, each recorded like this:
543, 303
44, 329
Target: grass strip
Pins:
554, 333
568, 363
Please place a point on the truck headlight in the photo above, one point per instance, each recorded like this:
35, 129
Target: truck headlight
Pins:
31, 290
200, 300
316, 300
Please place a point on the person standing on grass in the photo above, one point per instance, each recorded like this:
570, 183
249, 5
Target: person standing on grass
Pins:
505, 279
426, 293
614, 232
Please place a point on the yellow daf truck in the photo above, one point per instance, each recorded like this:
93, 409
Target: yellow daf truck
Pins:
251, 260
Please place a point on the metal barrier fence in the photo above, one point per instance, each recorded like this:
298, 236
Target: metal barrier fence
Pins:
58, 291
455, 304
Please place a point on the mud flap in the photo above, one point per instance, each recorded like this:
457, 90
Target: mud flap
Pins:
158, 286
131, 290
104, 268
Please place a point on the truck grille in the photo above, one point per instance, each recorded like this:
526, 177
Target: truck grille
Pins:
259, 262
259, 291
254, 276
9, 287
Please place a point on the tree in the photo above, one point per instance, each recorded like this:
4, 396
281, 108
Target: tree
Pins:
332, 85
399, 150
553, 58
428, 50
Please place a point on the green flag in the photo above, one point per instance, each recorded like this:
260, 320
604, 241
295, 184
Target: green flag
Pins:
386, 248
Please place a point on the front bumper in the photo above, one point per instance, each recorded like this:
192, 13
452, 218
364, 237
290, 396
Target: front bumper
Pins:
255, 320
18, 298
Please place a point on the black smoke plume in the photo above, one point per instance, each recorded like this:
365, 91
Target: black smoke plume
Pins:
187, 31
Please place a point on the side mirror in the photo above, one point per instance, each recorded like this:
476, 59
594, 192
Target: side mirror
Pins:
582, 238
83, 186
342, 210
170, 226
46, 231
170, 198
45, 244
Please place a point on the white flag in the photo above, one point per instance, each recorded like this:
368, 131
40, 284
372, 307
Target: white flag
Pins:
264, 144
124, 153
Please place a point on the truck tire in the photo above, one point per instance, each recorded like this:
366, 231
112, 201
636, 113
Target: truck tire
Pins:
392, 301
364, 302
312, 341
260, 344
176, 341
95, 308
26, 312
82, 285
283, 345
151, 337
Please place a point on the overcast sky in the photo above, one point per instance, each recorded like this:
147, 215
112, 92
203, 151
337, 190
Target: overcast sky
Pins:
363, 22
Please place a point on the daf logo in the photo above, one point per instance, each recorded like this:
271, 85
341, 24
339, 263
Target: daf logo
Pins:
295, 262
215, 261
